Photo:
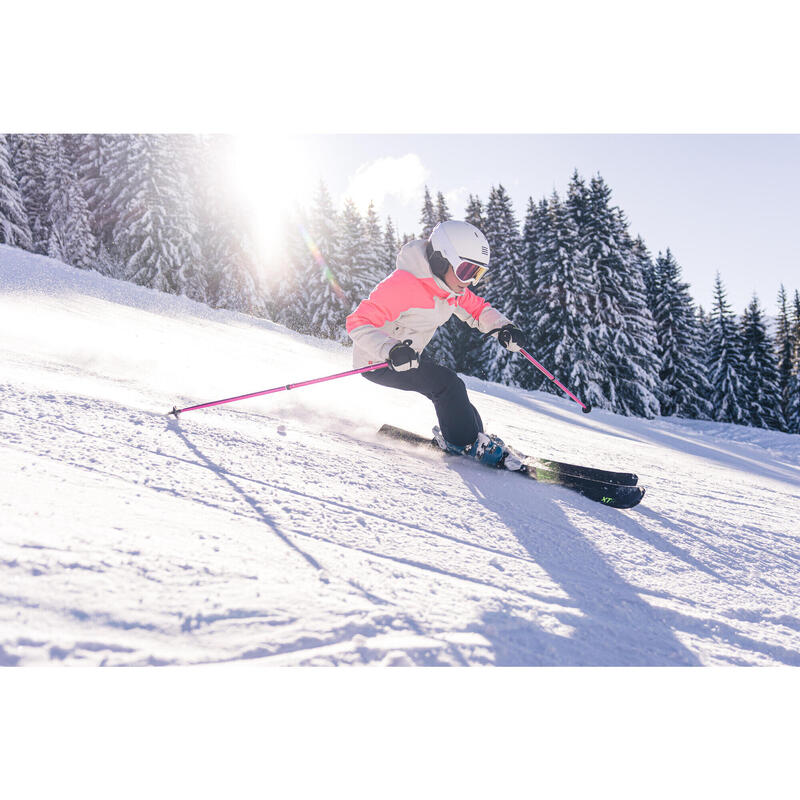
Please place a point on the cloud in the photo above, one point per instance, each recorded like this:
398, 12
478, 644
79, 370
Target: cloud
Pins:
457, 200
402, 178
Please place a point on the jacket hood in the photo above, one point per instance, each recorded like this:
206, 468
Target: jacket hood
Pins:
412, 258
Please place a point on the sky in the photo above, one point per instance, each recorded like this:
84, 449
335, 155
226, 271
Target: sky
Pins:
726, 203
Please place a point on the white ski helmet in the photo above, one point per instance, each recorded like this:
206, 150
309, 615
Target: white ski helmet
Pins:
459, 245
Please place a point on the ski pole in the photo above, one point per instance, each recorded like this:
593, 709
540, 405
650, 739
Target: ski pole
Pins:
586, 408
175, 411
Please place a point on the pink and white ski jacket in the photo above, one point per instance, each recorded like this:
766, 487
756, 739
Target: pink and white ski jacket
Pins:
411, 304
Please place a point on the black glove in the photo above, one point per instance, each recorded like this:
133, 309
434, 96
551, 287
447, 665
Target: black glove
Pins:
402, 357
512, 338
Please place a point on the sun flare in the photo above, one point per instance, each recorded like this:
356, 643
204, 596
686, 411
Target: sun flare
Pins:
271, 176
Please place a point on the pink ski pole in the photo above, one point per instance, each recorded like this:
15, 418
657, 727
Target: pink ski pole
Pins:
586, 408
369, 368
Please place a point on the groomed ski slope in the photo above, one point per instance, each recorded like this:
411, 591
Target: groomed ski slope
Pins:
283, 531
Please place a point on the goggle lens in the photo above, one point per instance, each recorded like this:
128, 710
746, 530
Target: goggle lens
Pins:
467, 272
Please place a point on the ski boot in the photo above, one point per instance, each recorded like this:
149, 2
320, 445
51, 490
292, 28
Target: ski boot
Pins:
486, 449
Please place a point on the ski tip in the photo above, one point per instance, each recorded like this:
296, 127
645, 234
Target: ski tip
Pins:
586, 409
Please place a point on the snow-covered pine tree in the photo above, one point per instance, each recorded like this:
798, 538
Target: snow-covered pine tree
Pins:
31, 156
683, 387
796, 327
474, 213
70, 238
793, 414
534, 235
784, 349
391, 247
725, 363
792, 410
505, 286
442, 211
359, 269
328, 303
14, 228
102, 167
291, 301
760, 374
427, 216
637, 378
155, 234
375, 261
622, 330
648, 271
561, 309
226, 253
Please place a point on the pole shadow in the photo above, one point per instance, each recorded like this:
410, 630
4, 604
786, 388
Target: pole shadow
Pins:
202, 459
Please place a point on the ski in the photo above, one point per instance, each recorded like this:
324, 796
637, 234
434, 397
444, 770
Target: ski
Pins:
609, 493
546, 469
614, 495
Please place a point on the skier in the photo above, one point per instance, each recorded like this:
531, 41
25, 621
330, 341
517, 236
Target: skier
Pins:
431, 283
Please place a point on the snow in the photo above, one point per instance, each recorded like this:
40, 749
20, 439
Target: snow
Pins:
283, 531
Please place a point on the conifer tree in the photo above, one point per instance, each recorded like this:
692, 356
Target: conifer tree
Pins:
562, 307
31, 158
294, 284
427, 216
793, 408
784, 349
155, 236
375, 260
70, 238
442, 211
683, 389
14, 228
796, 327
622, 327
225, 243
637, 376
106, 180
327, 303
648, 271
760, 373
474, 213
534, 236
725, 363
504, 284
391, 247
359, 269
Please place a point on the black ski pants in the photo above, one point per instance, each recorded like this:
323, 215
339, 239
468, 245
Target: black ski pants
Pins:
459, 420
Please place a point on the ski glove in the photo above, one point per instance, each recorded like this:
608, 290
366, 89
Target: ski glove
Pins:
512, 338
402, 357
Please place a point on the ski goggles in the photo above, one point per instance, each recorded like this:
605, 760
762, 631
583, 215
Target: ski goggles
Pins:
470, 272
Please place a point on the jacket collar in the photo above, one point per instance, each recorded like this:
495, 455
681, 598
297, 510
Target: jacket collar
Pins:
411, 258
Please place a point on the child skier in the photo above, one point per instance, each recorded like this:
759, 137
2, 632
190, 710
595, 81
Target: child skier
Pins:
396, 322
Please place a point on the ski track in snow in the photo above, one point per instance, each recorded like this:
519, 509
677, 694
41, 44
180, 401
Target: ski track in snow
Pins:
284, 531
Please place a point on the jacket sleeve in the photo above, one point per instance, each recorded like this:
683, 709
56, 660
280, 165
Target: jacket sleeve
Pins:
478, 313
385, 303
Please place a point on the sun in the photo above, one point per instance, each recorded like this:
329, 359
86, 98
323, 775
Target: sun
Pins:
271, 175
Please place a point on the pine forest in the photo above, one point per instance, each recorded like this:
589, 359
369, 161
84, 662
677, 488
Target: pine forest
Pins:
615, 323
